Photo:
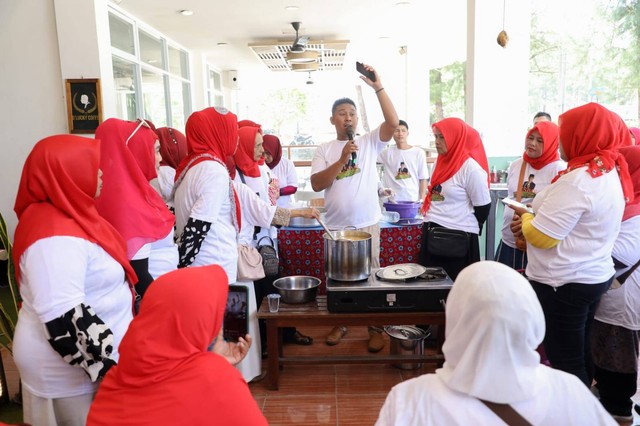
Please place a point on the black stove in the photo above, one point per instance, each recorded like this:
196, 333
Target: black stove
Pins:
425, 293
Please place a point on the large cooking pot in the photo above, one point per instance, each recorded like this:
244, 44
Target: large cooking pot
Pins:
348, 257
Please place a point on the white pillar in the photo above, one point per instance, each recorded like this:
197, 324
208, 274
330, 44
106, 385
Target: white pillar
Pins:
497, 77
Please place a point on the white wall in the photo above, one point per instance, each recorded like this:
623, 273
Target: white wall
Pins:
32, 102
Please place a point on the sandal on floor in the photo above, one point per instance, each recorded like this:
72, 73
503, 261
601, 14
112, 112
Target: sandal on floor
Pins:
301, 339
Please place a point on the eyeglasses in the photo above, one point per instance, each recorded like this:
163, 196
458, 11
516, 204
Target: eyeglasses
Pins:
140, 124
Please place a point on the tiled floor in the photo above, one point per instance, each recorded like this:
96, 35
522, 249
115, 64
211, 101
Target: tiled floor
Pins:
331, 395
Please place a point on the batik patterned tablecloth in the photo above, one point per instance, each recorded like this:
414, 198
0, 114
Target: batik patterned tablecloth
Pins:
301, 250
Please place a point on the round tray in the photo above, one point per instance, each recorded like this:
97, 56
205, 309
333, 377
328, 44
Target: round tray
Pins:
400, 272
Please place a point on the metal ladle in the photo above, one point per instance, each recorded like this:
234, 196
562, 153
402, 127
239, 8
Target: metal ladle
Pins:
326, 229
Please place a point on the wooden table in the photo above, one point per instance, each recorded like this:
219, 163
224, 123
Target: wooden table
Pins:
315, 314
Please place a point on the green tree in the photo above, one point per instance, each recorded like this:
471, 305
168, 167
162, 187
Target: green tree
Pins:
283, 106
447, 87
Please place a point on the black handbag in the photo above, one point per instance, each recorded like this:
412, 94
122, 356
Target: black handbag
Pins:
445, 242
270, 260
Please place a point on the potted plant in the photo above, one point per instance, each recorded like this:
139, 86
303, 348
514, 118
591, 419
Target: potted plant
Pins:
9, 302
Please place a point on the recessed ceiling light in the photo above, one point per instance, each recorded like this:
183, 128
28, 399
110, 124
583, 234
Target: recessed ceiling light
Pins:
403, 3
223, 44
186, 12
384, 37
291, 8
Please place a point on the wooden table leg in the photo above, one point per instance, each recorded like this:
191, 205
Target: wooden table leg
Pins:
274, 347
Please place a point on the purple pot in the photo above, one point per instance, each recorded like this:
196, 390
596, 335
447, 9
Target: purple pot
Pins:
406, 209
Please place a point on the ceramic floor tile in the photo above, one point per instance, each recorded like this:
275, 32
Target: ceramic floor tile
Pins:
306, 380
366, 379
301, 410
360, 410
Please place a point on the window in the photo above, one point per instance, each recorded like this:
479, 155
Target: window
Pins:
214, 89
151, 74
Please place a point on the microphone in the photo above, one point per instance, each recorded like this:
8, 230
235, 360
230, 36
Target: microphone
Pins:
349, 129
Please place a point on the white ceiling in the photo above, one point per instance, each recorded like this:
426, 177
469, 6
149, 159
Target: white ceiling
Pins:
435, 27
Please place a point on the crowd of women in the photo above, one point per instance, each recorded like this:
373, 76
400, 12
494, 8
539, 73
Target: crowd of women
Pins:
97, 243
126, 244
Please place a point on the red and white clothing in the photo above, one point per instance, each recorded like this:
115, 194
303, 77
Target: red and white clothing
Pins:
403, 171
586, 226
352, 199
166, 375
452, 206
285, 171
542, 179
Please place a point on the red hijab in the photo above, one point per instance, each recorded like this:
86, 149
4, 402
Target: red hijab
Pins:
632, 155
272, 146
173, 146
550, 154
244, 155
463, 142
636, 135
212, 135
590, 136
166, 375
56, 197
128, 201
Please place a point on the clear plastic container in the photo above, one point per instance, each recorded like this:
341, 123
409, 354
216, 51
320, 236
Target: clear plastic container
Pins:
391, 217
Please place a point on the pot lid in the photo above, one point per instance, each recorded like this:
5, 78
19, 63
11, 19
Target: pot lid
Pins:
401, 272
406, 332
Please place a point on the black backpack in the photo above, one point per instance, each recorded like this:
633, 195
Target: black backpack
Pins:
269, 257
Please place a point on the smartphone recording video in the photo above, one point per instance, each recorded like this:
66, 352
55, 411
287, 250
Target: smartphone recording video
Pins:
236, 316
362, 70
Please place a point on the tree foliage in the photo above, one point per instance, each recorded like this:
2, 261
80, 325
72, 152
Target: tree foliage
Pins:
447, 87
283, 106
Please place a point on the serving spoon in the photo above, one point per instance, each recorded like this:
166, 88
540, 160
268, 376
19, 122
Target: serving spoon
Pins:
326, 229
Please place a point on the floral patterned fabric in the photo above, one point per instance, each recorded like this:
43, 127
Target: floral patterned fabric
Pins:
301, 251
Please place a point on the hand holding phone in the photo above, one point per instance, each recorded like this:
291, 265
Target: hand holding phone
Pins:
236, 315
364, 71
513, 203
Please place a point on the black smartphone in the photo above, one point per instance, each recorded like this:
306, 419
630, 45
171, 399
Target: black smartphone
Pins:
362, 70
236, 316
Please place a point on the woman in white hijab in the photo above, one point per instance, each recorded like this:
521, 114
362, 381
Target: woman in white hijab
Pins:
494, 325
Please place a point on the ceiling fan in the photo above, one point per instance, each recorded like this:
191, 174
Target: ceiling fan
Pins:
298, 54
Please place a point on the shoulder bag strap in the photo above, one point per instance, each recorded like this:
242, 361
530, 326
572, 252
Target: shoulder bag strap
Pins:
622, 278
520, 181
242, 176
506, 413
266, 236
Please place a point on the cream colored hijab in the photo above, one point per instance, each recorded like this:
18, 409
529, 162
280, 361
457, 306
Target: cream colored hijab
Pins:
494, 325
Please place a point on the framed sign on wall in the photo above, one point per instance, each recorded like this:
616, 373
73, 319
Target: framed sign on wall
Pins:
84, 105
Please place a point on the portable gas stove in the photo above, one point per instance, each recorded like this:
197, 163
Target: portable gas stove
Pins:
426, 292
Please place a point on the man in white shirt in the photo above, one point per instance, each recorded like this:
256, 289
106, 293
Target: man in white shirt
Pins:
346, 170
405, 167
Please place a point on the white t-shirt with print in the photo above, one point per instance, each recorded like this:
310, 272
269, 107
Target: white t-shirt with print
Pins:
453, 206
403, 171
285, 171
352, 198
166, 176
260, 187
621, 306
255, 212
541, 179
204, 195
52, 285
584, 213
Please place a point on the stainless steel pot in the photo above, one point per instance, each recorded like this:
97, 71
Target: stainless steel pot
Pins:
348, 258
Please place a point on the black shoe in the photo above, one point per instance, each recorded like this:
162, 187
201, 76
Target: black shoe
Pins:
299, 339
636, 408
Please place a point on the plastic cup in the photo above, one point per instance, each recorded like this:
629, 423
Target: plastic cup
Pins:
274, 302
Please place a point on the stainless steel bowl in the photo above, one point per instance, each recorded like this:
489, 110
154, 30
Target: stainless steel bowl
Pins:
302, 222
297, 288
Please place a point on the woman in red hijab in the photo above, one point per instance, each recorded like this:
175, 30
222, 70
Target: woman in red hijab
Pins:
616, 327
571, 236
458, 197
166, 374
129, 161
282, 169
72, 269
527, 176
173, 149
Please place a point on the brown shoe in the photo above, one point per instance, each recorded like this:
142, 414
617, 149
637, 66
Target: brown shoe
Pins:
336, 335
376, 341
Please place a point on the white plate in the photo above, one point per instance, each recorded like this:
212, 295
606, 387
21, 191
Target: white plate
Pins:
400, 272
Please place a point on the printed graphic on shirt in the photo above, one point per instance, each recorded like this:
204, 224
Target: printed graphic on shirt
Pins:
348, 170
528, 187
403, 172
436, 193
